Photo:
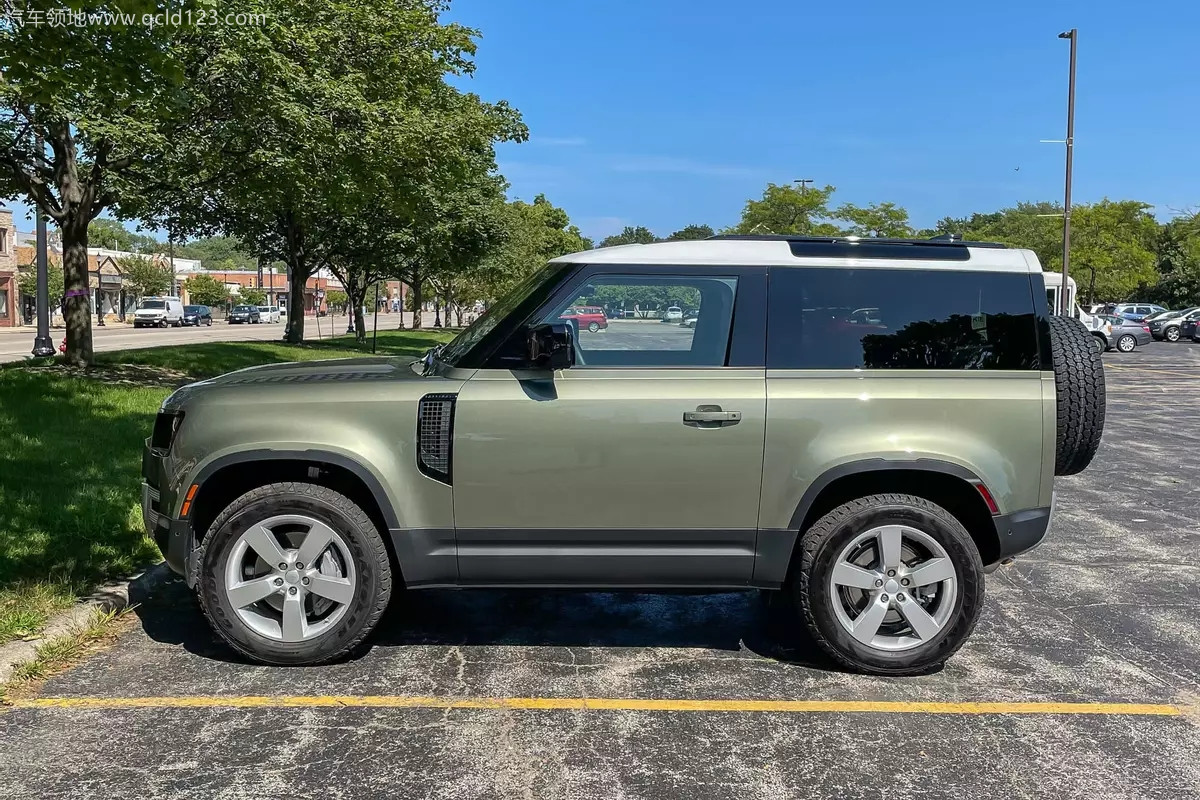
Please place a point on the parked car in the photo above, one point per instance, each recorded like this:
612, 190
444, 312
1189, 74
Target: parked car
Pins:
1168, 325
588, 318
268, 313
1189, 328
197, 315
295, 538
690, 318
158, 312
673, 314
245, 314
1124, 335
1136, 311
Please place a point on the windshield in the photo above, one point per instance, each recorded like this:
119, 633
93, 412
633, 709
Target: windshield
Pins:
244, 308
460, 345
192, 309
154, 304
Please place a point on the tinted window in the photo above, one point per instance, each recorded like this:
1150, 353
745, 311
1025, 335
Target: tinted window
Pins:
154, 304
900, 319
644, 327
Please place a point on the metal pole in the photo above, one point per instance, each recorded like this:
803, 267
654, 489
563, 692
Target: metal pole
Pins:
375, 331
42, 344
1066, 309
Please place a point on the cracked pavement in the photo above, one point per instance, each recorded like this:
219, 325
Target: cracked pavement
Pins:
1104, 611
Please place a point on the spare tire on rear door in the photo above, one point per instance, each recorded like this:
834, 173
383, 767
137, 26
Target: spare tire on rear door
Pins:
1079, 384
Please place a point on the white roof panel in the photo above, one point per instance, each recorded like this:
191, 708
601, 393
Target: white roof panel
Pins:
777, 253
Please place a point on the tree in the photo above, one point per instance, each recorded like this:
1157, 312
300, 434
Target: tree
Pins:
112, 234
630, 235
691, 232
84, 112
788, 209
248, 295
206, 290
336, 298
313, 118
877, 219
223, 253
144, 277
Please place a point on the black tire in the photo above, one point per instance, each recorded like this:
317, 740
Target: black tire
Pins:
593, 326
162, 323
1127, 343
820, 546
1079, 389
209, 322
1100, 343
1172, 333
371, 563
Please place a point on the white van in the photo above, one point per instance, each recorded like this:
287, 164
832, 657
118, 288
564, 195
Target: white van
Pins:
159, 312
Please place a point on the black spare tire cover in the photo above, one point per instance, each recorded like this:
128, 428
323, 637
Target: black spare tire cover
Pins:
1079, 386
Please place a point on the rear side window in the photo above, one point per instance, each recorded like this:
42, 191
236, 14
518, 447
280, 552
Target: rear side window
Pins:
901, 319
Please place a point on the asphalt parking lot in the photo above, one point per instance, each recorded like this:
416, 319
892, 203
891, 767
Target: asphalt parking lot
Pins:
549, 694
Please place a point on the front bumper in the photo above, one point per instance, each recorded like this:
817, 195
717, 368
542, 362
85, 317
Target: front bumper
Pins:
1022, 531
174, 537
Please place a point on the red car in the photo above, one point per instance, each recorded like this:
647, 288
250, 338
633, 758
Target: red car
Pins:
586, 317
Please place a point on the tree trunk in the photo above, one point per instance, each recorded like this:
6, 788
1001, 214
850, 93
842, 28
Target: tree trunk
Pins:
360, 322
418, 298
77, 314
297, 278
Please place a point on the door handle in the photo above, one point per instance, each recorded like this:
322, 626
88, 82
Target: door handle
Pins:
711, 417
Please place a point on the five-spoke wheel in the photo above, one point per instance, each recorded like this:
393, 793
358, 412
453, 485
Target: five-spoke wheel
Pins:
890, 584
293, 573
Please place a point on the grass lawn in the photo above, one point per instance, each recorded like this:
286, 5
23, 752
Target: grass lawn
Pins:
70, 461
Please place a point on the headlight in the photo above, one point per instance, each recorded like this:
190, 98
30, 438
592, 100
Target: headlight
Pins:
166, 425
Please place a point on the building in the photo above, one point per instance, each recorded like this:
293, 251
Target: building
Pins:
273, 282
8, 270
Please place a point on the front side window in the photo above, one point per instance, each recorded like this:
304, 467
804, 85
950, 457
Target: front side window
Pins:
643, 320
901, 319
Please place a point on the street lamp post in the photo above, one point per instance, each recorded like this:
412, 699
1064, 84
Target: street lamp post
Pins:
43, 346
1073, 36
99, 295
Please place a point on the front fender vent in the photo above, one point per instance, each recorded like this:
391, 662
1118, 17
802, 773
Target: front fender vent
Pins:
435, 436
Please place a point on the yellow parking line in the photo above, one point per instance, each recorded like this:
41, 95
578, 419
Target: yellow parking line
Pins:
602, 704
1140, 370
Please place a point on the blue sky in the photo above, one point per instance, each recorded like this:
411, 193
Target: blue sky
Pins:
669, 112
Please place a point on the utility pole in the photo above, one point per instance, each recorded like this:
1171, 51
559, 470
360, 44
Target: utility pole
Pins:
1066, 310
804, 182
43, 346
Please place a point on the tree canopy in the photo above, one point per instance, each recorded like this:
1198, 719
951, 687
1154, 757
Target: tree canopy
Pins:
630, 235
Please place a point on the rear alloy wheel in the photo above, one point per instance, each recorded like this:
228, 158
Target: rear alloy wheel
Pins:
593, 326
889, 584
293, 574
1126, 343
1171, 334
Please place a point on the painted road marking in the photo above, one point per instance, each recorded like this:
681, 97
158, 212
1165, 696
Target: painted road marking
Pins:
604, 704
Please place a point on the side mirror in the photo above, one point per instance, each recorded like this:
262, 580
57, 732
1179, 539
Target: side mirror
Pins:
552, 346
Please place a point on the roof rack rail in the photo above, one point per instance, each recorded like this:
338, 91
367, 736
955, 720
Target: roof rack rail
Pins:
940, 248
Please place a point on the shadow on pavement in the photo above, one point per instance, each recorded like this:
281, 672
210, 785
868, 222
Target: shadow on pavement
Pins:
729, 621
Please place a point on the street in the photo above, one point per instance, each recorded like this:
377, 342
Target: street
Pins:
491, 693
16, 343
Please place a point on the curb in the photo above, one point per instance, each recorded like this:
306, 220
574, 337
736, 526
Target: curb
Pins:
110, 597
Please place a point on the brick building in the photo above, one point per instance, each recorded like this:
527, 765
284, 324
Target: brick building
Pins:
8, 270
274, 284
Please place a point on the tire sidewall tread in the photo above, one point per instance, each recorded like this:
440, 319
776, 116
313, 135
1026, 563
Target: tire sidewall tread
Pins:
820, 546
362, 538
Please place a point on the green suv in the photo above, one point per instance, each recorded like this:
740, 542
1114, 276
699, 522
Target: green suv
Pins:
869, 426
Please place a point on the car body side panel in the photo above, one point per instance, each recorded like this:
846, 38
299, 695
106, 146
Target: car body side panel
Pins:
372, 425
989, 423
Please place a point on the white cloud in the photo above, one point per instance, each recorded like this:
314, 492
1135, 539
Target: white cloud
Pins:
558, 141
680, 165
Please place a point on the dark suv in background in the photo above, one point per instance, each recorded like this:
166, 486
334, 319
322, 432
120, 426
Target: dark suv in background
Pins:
197, 315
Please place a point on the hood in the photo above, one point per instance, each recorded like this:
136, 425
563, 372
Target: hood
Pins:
330, 371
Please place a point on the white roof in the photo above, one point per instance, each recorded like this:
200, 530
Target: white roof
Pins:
777, 253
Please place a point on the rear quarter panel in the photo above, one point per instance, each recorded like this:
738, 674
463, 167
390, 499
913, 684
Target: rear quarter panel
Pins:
991, 423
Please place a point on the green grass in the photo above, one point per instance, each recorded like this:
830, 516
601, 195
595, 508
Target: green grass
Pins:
70, 457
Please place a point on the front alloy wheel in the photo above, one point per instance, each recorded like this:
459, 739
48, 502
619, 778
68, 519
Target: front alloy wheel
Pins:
290, 578
293, 573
